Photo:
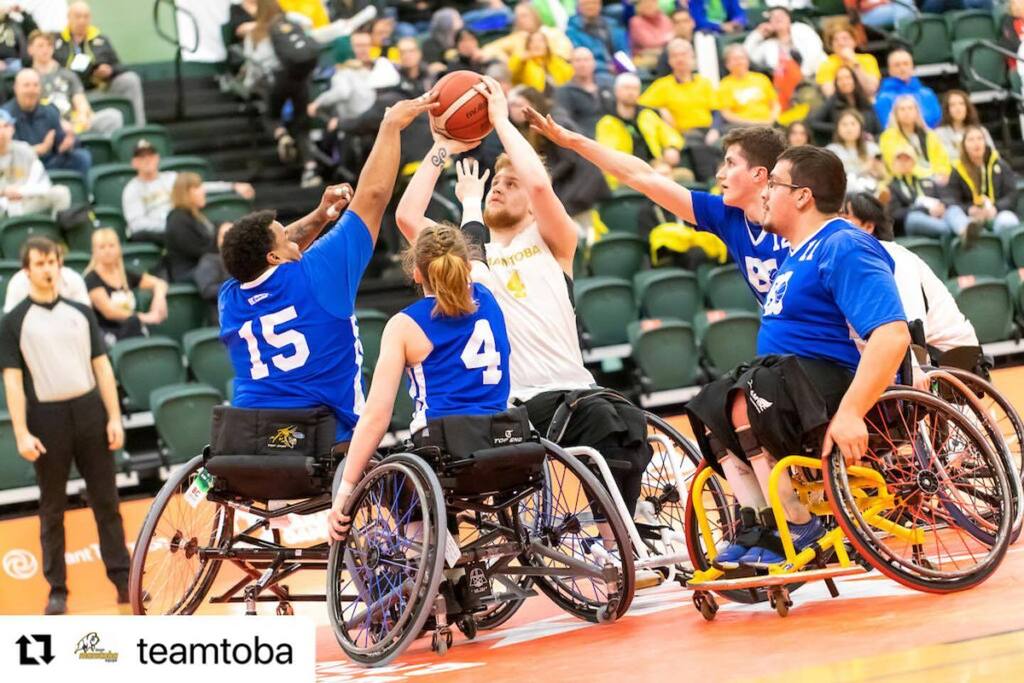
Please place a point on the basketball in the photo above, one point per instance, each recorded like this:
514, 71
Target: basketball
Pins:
462, 110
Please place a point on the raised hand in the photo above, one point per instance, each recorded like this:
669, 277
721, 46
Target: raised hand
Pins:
334, 200
403, 113
547, 127
469, 181
497, 103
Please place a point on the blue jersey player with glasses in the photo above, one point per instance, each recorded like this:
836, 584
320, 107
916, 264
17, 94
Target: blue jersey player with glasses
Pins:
288, 313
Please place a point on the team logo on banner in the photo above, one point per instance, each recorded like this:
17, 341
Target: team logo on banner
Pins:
89, 648
20, 564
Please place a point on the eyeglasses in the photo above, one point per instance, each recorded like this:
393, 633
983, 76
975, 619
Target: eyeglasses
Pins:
772, 183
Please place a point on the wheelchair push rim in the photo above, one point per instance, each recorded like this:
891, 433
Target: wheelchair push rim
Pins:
381, 584
905, 530
1006, 417
169, 572
663, 494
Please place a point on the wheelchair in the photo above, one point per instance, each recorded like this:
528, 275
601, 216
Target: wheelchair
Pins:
529, 510
930, 506
190, 533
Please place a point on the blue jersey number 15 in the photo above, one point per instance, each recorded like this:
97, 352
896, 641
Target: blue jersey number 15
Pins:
290, 338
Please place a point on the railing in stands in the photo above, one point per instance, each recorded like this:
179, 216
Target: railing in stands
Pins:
1006, 92
175, 40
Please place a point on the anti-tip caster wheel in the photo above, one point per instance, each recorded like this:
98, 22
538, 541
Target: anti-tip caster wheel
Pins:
467, 624
781, 601
441, 641
706, 605
285, 609
608, 612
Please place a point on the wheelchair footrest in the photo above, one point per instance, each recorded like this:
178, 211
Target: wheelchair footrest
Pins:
759, 581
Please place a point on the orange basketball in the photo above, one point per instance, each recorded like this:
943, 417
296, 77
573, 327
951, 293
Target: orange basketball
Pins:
462, 111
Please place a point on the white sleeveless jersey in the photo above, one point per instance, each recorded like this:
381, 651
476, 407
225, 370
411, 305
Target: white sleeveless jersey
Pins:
532, 291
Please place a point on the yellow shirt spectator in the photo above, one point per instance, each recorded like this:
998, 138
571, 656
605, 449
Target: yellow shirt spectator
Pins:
314, 9
534, 72
935, 165
690, 103
827, 70
618, 134
750, 98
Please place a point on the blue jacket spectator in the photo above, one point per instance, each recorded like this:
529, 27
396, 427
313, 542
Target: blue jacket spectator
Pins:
40, 126
901, 81
734, 14
589, 29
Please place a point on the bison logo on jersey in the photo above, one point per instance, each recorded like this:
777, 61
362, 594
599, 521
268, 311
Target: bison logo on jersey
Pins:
760, 273
773, 304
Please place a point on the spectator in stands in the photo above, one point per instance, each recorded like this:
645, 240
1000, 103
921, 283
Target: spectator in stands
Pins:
1011, 32
649, 32
907, 127
582, 99
940, 6
983, 184
689, 103
861, 157
62, 88
82, 48
958, 113
798, 134
779, 39
841, 42
24, 185
210, 274
745, 97
241, 20
917, 207
382, 31
70, 285
13, 44
603, 37
190, 234
537, 66
640, 131
881, 13
444, 26
527, 21
62, 400
468, 55
146, 199
111, 290
414, 78
40, 125
847, 94
682, 27
735, 19
902, 81
352, 90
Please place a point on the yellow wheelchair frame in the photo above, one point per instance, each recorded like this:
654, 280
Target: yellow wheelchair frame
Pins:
792, 570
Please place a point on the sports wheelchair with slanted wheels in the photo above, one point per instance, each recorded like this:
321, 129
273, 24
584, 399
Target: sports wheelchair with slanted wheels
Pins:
531, 509
213, 516
929, 505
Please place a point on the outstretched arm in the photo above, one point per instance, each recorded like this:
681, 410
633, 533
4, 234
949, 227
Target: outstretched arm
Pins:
307, 228
553, 222
630, 170
377, 181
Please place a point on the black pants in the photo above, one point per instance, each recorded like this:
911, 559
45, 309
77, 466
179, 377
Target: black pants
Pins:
76, 430
286, 88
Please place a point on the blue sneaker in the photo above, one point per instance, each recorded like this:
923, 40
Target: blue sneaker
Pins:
803, 536
730, 556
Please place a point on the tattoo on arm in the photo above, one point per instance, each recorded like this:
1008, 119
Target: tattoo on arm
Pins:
305, 230
439, 158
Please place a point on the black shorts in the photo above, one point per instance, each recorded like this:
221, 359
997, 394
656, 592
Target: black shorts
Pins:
790, 401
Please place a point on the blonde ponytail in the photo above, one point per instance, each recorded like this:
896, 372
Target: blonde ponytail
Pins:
441, 254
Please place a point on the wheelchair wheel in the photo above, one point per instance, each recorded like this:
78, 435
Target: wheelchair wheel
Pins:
169, 573
383, 581
947, 527
1002, 412
583, 525
969, 401
662, 495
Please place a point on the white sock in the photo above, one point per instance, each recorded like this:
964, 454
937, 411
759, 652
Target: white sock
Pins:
796, 512
743, 482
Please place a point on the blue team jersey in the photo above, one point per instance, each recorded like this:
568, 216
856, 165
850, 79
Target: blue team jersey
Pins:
758, 253
840, 279
467, 371
292, 334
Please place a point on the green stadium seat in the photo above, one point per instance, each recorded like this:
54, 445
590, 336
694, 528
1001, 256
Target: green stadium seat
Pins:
189, 164
930, 251
971, 24
143, 364
622, 211
667, 293
727, 338
183, 414
579, 262
100, 101
987, 304
605, 307
186, 311
208, 358
111, 217
371, 329
617, 255
15, 471
987, 256
8, 267
725, 288
74, 181
141, 256
1015, 247
988, 64
77, 260
107, 182
16, 230
401, 416
1014, 280
226, 208
665, 353
99, 148
928, 37
125, 139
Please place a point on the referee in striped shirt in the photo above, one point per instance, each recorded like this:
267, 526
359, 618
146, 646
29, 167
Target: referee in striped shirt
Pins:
62, 399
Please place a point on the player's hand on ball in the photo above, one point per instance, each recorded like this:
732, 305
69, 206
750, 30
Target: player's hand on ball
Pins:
335, 199
849, 434
547, 127
450, 146
403, 113
469, 181
497, 104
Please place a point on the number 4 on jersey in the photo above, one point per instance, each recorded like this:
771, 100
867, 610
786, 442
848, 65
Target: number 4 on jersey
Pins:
481, 352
